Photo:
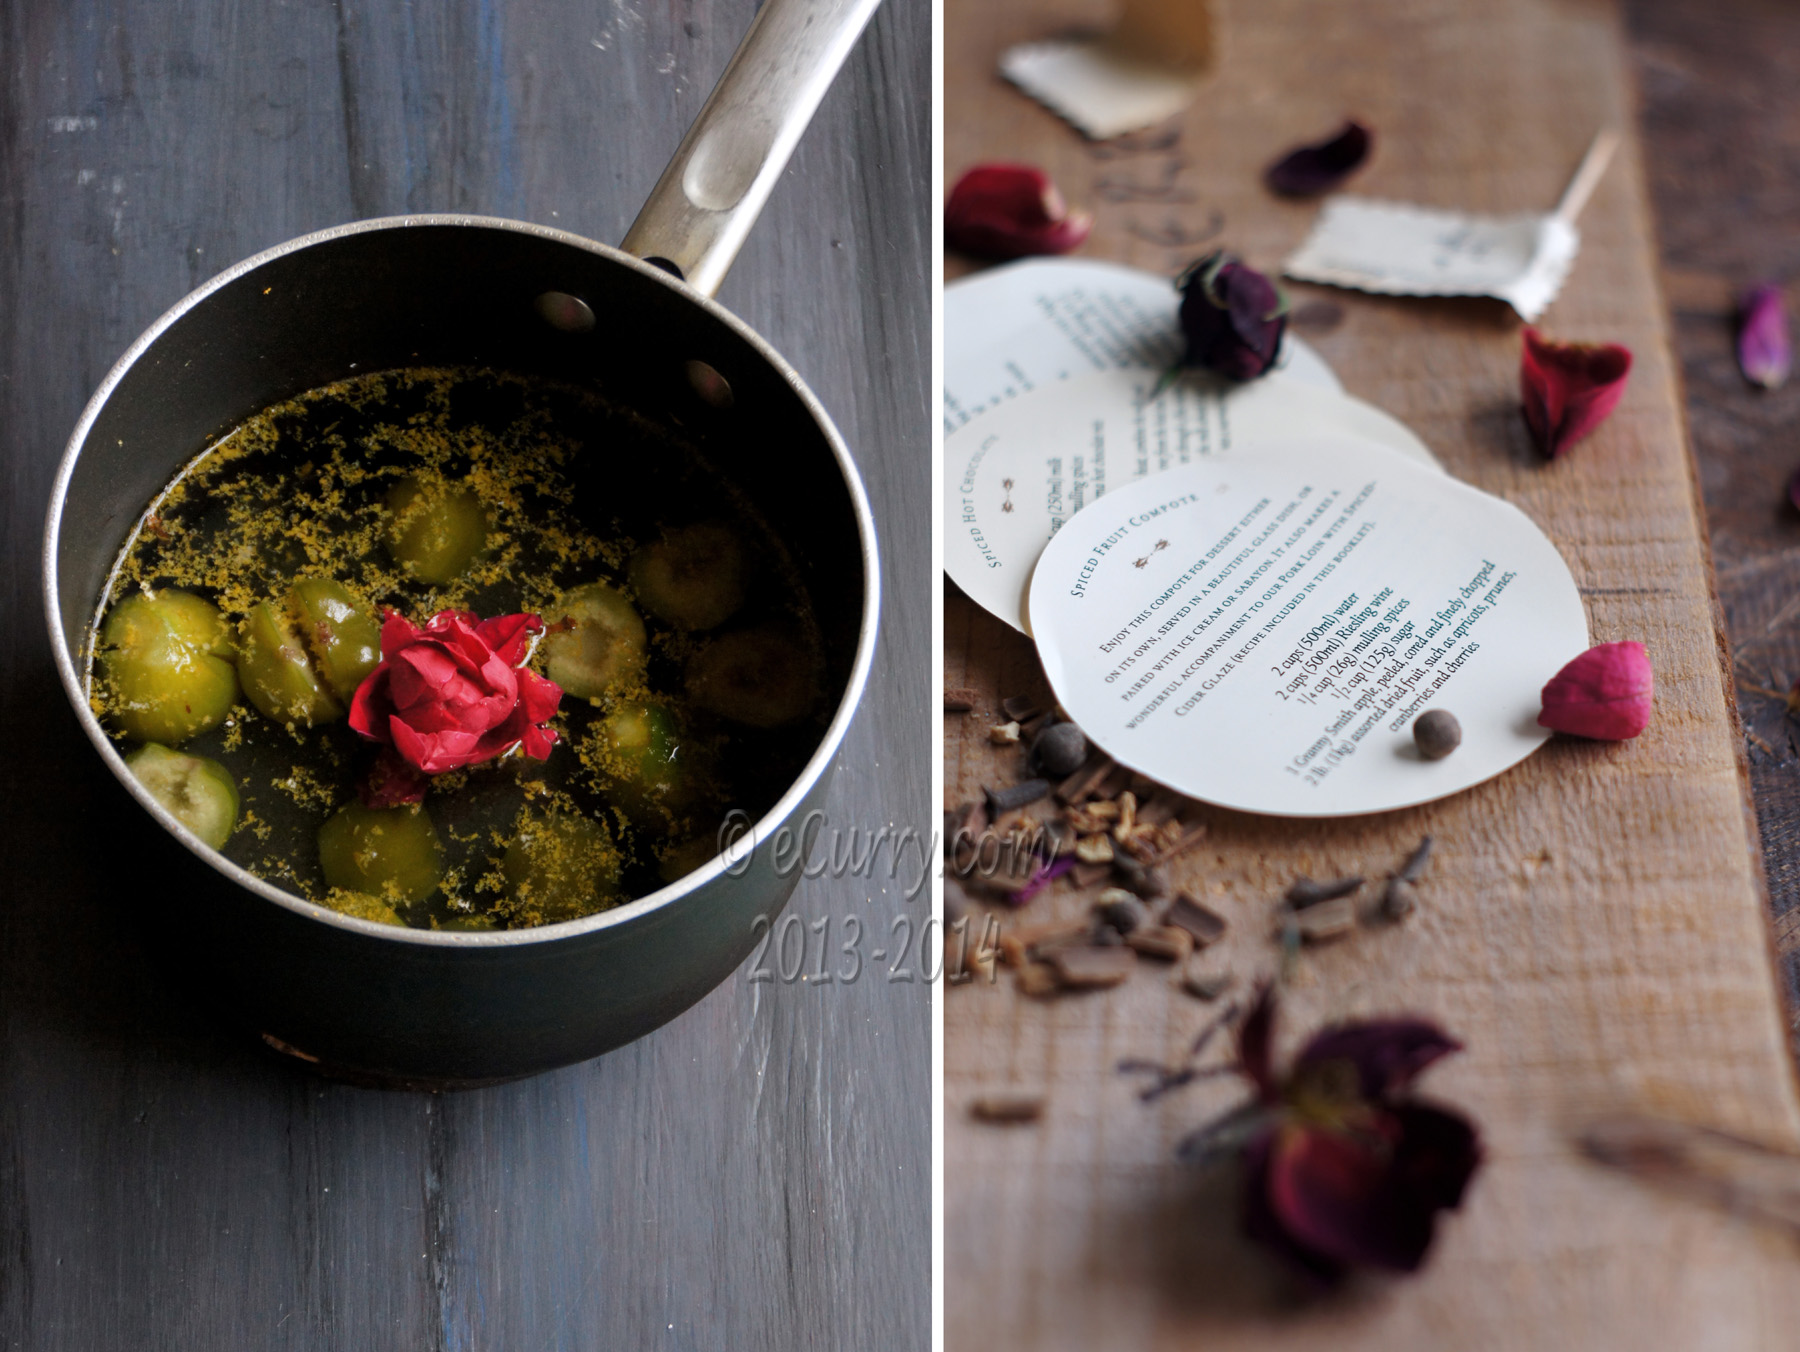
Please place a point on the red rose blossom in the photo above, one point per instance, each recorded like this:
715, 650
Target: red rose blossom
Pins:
1344, 1167
450, 695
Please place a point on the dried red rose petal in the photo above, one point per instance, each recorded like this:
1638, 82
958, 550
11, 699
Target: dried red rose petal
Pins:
1313, 169
1232, 315
1606, 693
1003, 211
1569, 389
1764, 351
1343, 1168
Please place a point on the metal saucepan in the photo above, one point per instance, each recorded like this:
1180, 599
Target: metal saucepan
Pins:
442, 1008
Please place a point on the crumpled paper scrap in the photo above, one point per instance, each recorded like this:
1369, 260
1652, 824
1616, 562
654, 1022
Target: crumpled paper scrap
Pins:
1399, 249
1142, 72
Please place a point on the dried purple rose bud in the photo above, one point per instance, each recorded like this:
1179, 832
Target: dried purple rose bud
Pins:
1232, 315
1764, 352
1310, 170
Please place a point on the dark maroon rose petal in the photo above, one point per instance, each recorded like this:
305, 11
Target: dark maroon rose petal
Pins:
1388, 1053
1311, 170
1438, 1154
1263, 1225
1337, 1195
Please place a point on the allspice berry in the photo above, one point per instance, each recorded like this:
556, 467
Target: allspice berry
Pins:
1437, 733
1060, 749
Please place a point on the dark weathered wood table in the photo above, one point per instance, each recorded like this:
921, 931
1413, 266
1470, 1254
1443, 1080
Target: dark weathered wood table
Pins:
1721, 129
756, 1174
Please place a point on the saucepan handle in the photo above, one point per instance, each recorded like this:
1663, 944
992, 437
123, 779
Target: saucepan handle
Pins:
709, 196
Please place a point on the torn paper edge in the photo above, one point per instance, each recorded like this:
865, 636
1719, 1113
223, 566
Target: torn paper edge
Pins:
1099, 90
1529, 294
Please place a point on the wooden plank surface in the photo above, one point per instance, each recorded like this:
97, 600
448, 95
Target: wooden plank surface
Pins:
1721, 122
1593, 923
755, 1175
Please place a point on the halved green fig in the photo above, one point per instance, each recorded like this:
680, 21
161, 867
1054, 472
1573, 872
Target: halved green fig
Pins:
199, 792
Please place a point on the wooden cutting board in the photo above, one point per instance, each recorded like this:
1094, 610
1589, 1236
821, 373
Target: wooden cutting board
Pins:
1593, 921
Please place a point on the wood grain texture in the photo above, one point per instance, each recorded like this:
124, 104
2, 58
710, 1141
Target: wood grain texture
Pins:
755, 1175
1593, 922
1722, 126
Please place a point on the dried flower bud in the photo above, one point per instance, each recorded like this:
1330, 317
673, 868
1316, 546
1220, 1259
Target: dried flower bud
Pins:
1569, 389
1605, 693
1005, 211
1232, 315
1764, 352
1310, 170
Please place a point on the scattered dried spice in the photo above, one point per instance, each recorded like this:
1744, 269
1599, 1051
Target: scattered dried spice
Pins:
1091, 968
1188, 913
1344, 1167
1060, 750
1008, 1109
1038, 979
1304, 892
1232, 316
1029, 943
1414, 867
1120, 909
1741, 1176
1326, 920
1399, 899
1765, 353
1003, 211
1311, 170
1015, 796
1094, 849
1205, 985
1167, 1078
1436, 733
1606, 693
1019, 708
1165, 942
1080, 785
1569, 389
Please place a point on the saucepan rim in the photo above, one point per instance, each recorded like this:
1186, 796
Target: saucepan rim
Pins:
734, 857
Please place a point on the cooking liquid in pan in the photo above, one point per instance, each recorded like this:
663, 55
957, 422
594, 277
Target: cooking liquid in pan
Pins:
424, 490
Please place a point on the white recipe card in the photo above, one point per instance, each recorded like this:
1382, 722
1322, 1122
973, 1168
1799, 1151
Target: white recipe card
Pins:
1260, 632
1014, 476
1010, 329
